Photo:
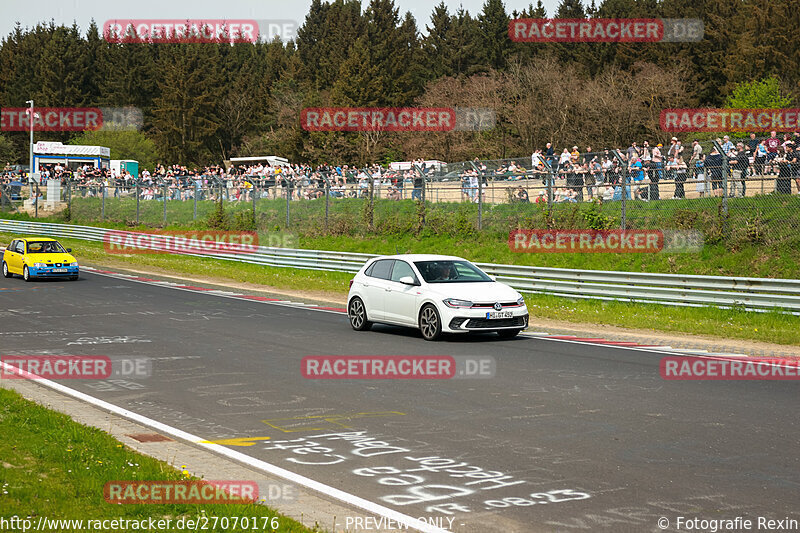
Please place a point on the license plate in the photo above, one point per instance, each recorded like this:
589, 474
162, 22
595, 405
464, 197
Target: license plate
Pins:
59, 270
499, 314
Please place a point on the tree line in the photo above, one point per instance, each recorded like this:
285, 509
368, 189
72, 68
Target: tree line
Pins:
203, 103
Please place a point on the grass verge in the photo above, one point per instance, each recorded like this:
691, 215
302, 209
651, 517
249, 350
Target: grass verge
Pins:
56, 468
770, 327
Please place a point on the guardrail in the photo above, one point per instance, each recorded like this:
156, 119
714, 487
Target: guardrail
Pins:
751, 294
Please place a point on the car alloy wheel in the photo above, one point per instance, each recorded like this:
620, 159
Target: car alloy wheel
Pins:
25, 274
429, 323
358, 315
6, 272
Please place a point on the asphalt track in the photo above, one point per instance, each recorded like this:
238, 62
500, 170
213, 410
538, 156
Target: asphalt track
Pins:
565, 437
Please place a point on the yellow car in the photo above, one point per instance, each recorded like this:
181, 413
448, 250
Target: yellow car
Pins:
39, 257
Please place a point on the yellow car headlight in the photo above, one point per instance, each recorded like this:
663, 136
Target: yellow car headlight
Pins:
39, 265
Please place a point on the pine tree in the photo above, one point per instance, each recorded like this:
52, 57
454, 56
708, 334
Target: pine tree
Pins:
493, 22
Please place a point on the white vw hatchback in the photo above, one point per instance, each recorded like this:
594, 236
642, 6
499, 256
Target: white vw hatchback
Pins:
435, 293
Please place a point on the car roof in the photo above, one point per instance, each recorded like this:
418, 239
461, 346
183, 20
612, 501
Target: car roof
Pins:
36, 239
422, 257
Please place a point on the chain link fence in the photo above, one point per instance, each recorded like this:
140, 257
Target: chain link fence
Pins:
749, 191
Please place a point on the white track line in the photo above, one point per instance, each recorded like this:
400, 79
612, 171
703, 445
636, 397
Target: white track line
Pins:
332, 492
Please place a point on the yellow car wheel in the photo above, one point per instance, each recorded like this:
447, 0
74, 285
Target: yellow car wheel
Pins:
6, 272
25, 274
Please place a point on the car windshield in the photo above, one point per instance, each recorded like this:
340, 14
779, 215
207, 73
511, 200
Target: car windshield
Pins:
450, 271
45, 247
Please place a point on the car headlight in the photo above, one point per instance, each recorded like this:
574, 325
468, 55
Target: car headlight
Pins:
72, 264
520, 301
452, 302
39, 265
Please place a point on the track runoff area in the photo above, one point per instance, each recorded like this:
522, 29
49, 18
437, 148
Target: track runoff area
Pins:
531, 434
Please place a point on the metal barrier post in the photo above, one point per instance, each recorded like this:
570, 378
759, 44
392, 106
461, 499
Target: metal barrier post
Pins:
69, 197
196, 192
103, 203
137, 203
36, 202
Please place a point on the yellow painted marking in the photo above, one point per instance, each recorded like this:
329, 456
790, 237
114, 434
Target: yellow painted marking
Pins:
241, 441
322, 422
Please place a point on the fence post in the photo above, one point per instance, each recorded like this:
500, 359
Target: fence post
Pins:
725, 168
424, 186
137, 203
371, 222
480, 194
549, 182
624, 208
165, 204
103, 203
69, 198
254, 193
196, 192
288, 197
327, 199
36, 203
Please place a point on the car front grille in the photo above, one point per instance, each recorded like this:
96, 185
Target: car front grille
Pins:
491, 305
485, 323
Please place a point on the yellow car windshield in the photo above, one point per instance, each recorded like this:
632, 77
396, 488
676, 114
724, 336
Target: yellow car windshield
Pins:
45, 247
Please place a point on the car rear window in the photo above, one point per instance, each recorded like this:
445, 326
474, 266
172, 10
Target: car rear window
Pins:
381, 269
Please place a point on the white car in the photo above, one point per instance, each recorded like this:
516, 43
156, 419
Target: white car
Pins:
435, 293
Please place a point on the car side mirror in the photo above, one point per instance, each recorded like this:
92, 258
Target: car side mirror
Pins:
69, 250
408, 280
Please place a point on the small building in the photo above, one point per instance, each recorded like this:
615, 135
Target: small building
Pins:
70, 156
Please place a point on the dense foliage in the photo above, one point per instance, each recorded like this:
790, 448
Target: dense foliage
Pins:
203, 103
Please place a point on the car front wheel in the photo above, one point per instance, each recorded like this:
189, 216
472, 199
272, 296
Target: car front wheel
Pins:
6, 272
429, 323
358, 315
25, 274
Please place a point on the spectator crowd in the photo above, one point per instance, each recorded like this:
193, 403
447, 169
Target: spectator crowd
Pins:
644, 172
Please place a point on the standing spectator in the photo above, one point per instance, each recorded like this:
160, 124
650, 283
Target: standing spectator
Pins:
727, 145
759, 158
773, 144
739, 165
656, 172
713, 168
752, 144
550, 154
697, 154
680, 177
786, 166
633, 150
